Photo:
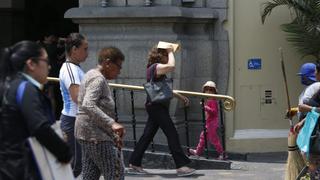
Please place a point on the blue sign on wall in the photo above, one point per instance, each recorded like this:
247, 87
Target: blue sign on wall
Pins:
254, 63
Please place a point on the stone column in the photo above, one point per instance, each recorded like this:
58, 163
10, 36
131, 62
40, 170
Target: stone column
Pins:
135, 29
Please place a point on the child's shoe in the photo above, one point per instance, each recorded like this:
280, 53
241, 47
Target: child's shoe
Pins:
222, 156
193, 152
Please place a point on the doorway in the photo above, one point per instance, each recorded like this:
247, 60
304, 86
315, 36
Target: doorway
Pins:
47, 17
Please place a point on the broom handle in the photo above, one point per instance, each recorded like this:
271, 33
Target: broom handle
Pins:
286, 85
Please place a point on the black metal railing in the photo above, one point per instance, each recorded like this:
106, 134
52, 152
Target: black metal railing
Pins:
226, 102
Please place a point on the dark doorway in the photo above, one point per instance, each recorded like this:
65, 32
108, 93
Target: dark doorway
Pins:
44, 17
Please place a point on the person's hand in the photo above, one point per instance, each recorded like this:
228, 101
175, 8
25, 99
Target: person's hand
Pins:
291, 113
118, 129
298, 126
186, 101
119, 133
169, 49
183, 98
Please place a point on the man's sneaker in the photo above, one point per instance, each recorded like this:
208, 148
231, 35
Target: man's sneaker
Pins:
185, 171
136, 170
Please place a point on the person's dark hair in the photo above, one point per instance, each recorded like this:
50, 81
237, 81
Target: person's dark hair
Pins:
110, 53
155, 55
74, 39
13, 58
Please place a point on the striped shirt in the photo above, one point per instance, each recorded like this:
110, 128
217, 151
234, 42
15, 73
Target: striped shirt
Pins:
70, 73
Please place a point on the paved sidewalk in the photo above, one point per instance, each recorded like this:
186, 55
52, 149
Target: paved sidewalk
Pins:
242, 170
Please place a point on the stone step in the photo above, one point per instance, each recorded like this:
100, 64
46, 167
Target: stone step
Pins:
163, 160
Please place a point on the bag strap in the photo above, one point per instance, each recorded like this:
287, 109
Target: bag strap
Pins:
20, 91
152, 71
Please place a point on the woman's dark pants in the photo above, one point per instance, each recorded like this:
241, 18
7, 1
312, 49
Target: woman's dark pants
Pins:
159, 117
67, 127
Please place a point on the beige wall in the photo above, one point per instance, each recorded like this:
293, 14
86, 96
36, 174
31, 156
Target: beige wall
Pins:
255, 126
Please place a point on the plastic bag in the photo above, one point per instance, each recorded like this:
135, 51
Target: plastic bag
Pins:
303, 140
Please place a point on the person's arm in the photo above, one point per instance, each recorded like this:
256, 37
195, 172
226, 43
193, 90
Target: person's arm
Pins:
74, 92
49, 139
211, 107
183, 98
299, 125
94, 89
38, 124
166, 68
305, 108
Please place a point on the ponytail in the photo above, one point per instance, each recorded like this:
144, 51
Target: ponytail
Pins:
5, 71
73, 40
6, 68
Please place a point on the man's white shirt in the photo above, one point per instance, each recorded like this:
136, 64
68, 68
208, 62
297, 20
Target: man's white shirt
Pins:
310, 91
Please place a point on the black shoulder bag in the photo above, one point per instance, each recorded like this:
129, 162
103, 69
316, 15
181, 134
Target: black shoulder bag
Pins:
158, 91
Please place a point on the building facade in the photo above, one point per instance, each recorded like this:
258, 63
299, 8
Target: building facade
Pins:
221, 40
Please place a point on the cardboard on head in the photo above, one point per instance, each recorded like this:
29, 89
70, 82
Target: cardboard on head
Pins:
166, 45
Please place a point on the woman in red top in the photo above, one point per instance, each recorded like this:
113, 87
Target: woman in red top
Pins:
212, 123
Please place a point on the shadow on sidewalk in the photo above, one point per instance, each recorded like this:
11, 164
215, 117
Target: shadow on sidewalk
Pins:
165, 175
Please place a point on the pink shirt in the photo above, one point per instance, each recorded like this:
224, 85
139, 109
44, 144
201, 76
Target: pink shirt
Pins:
211, 109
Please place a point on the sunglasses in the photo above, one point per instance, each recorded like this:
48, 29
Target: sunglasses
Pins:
46, 60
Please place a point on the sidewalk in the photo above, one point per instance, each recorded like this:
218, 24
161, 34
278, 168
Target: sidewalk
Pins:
263, 166
239, 170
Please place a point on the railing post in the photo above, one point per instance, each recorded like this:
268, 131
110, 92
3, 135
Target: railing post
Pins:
186, 124
204, 128
147, 2
104, 3
152, 146
115, 104
133, 119
222, 127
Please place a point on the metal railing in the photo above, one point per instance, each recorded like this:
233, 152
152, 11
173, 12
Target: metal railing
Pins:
226, 102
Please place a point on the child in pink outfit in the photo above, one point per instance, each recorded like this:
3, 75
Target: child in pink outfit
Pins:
212, 123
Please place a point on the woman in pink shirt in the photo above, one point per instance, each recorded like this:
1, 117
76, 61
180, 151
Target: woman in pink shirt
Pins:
212, 123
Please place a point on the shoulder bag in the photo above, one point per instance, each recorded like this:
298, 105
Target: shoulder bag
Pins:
158, 91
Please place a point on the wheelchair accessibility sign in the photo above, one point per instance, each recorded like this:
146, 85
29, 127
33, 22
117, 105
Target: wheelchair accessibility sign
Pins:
254, 63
